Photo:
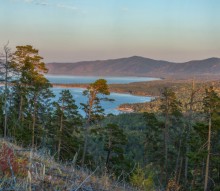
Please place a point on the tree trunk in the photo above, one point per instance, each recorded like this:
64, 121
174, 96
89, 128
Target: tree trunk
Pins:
60, 133
91, 100
178, 162
6, 98
85, 144
180, 170
107, 160
189, 131
20, 108
166, 146
34, 123
208, 155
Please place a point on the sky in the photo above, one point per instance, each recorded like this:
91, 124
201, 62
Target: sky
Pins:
78, 30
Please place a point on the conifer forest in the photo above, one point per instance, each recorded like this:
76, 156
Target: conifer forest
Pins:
171, 145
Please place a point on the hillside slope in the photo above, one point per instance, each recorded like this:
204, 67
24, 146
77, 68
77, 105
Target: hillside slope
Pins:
22, 169
137, 66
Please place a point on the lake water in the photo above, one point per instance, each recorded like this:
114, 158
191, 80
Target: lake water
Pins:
89, 79
110, 107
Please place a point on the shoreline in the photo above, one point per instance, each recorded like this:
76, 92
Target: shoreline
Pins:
125, 109
112, 89
119, 108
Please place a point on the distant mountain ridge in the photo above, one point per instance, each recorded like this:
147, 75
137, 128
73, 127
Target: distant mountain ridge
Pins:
137, 66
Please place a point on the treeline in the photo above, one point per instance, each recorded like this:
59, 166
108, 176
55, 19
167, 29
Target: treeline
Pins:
175, 147
155, 88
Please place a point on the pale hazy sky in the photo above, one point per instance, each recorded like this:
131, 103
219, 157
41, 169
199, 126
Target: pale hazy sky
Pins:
73, 30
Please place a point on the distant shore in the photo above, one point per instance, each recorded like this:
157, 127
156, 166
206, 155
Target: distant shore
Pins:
116, 88
70, 85
149, 88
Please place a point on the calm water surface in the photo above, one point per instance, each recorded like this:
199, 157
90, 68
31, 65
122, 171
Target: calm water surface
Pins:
110, 107
90, 79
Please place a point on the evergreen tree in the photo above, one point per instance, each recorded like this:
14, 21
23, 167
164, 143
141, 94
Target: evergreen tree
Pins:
190, 115
92, 108
212, 111
170, 109
30, 85
67, 120
114, 142
153, 143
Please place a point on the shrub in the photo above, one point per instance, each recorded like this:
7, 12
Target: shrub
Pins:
10, 163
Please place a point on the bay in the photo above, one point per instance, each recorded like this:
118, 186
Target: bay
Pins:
110, 107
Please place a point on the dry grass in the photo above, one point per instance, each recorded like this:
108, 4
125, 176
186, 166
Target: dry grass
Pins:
43, 173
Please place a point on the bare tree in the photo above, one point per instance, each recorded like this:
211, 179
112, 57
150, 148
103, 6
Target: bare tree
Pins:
6, 72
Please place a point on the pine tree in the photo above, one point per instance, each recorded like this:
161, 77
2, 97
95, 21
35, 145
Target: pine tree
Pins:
114, 142
212, 110
170, 108
153, 143
68, 120
92, 108
30, 85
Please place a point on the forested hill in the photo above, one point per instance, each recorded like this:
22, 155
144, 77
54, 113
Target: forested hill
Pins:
137, 66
